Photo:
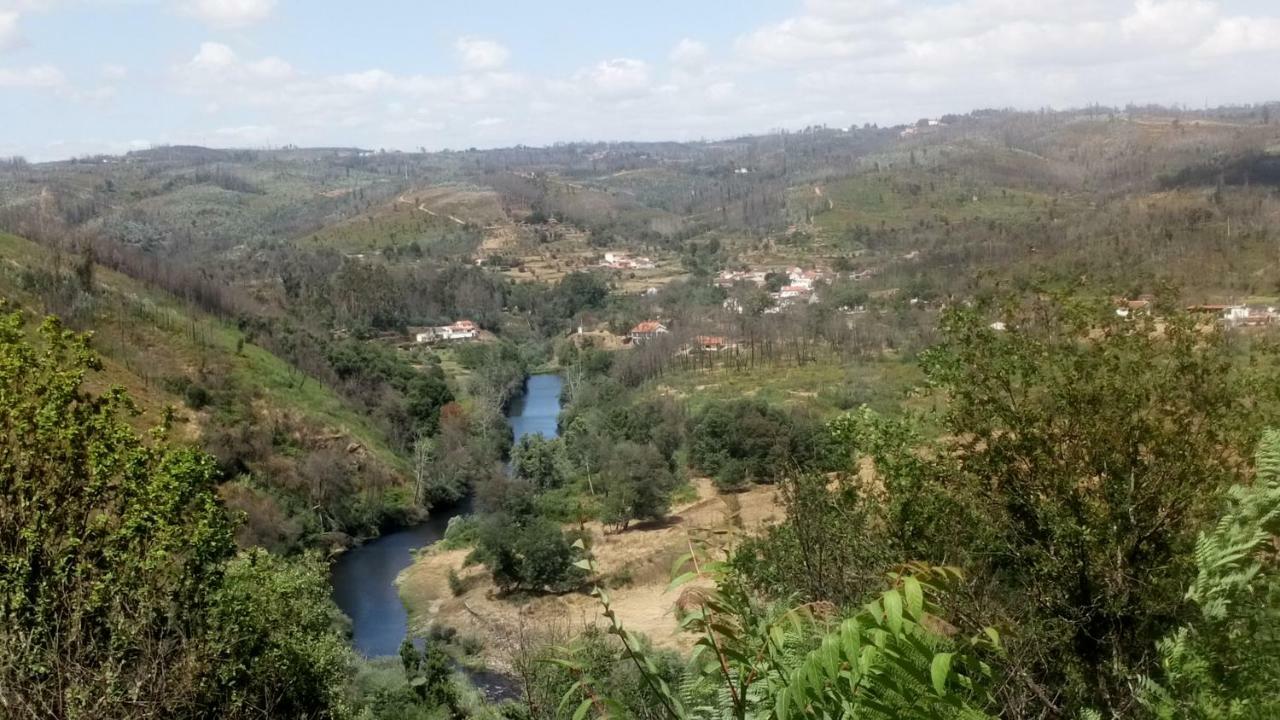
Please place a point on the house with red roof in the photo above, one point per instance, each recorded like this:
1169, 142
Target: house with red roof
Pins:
647, 330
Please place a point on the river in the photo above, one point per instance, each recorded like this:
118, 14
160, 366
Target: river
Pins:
364, 578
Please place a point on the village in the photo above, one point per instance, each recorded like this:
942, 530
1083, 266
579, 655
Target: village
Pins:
1234, 315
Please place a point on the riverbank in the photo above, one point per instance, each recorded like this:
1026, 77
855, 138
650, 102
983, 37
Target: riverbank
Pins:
364, 578
636, 565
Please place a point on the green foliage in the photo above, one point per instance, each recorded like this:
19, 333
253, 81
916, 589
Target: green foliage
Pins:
366, 365
91, 517
273, 628
576, 292
1094, 444
540, 461
756, 660
119, 597
526, 552
636, 485
833, 546
554, 691
743, 441
461, 532
455, 583
430, 676
1224, 663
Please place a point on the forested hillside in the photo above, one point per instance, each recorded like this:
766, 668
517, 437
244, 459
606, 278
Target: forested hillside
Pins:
967, 418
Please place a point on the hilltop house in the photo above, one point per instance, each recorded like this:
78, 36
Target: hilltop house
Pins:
624, 261
647, 330
460, 330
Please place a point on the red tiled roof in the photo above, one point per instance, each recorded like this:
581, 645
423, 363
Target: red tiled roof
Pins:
648, 326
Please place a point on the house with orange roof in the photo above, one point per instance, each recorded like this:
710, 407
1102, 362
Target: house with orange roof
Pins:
647, 330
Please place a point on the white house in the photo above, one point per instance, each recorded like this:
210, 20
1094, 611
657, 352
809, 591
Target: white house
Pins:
647, 330
460, 330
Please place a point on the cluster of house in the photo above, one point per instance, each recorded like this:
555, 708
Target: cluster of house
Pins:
799, 287
625, 261
652, 329
460, 330
922, 125
1242, 315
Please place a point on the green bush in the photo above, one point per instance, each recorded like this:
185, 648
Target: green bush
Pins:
461, 532
196, 396
530, 553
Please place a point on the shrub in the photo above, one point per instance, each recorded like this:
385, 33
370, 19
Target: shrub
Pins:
637, 486
532, 554
196, 396
743, 441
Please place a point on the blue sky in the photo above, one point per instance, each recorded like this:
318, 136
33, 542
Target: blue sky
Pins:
82, 76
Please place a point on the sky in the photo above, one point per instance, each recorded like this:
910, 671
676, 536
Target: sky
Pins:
89, 76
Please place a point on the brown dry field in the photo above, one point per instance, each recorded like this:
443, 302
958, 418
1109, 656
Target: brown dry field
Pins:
643, 605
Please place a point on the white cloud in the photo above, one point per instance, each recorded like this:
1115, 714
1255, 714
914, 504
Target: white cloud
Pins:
689, 54
8, 29
213, 57
230, 13
114, 71
1170, 22
1242, 35
617, 78
481, 54
837, 62
36, 76
216, 62
271, 68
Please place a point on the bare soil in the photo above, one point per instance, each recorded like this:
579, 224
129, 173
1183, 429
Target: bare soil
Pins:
643, 553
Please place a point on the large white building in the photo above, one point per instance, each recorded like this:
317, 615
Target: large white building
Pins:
460, 330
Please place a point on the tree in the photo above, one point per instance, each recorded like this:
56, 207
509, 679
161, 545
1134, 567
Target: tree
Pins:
578, 291
775, 281
431, 676
1094, 445
637, 485
1222, 664
89, 516
528, 552
119, 597
273, 630
539, 460
742, 441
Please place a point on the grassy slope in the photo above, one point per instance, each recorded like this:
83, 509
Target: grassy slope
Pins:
825, 387
147, 336
899, 200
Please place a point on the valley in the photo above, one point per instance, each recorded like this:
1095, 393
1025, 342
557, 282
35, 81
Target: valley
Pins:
577, 419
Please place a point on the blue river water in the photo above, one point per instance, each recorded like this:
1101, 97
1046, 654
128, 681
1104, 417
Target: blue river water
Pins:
364, 578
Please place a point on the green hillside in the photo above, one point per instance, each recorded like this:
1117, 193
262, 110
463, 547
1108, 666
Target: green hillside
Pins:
168, 354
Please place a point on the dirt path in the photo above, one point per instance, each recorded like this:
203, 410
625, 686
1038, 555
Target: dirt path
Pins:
643, 605
423, 207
